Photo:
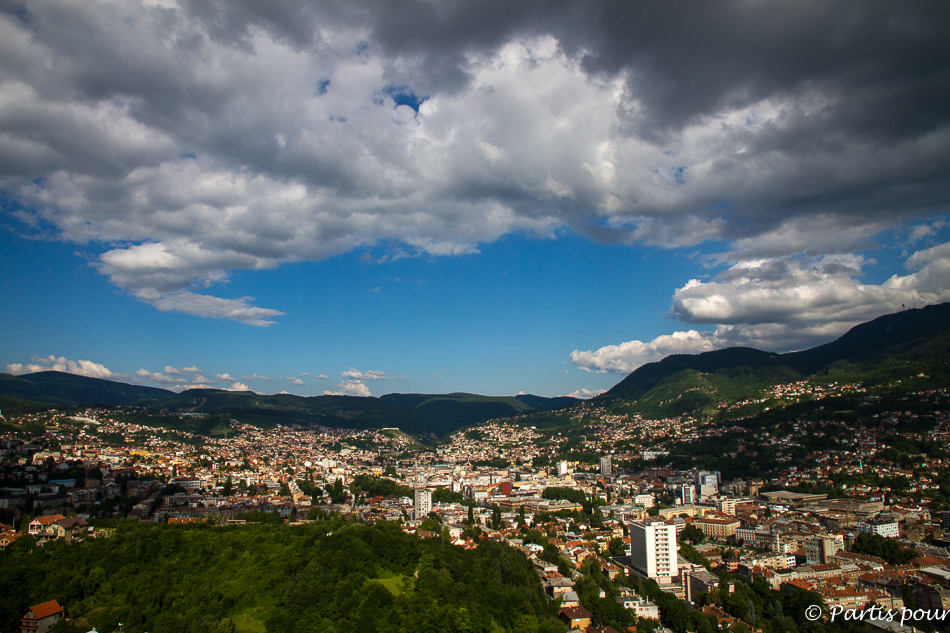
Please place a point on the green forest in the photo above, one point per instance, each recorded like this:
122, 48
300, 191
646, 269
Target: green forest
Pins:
328, 576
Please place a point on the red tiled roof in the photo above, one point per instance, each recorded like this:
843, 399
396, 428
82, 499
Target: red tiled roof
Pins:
44, 521
45, 610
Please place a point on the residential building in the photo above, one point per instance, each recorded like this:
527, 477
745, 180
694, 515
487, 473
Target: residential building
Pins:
605, 466
819, 549
575, 617
653, 549
646, 500
726, 506
41, 618
39, 524
887, 529
718, 528
700, 581
687, 494
423, 503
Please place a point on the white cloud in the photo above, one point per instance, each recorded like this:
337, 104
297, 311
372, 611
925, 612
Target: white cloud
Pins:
172, 370
158, 377
586, 394
226, 377
192, 370
193, 142
201, 380
781, 304
295, 381
59, 363
322, 377
256, 377
355, 374
350, 388
208, 306
626, 357
237, 386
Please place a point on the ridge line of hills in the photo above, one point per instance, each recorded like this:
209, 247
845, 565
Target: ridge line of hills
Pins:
907, 344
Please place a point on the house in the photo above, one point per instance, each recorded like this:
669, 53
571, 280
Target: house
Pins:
7, 537
68, 529
39, 524
41, 618
575, 617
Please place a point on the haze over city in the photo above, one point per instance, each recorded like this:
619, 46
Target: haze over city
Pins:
365, 198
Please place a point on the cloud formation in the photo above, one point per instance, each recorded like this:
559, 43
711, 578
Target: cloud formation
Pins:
191, 140
60, 363
626, 357
350, 388
781, 304
355, 374
586, 394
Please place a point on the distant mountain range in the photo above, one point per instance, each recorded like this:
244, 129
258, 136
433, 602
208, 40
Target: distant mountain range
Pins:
892, 347
895, 346
421, 414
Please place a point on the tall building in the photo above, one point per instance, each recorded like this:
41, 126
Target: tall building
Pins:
819, 549
605, 467
653, 550
423, 503
707, 483
561, 468
687, 494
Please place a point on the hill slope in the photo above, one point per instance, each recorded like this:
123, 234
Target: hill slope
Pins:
420, 414
69, 389
890, 347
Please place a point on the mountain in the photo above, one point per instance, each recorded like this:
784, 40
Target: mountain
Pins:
445, 413
421, 414
71, 390
894, 346
897, 346
429, 415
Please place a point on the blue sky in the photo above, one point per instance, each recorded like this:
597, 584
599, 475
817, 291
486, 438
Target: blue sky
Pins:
283, 196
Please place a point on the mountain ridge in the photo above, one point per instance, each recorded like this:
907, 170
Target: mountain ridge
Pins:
894, 345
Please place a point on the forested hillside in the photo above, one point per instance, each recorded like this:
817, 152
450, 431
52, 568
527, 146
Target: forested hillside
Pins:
329, 576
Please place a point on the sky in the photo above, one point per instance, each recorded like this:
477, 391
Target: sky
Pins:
366, 197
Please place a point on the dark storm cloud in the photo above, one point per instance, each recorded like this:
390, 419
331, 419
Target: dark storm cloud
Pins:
198, 137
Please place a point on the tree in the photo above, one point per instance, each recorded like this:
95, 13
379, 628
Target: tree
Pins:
496, 521
693, 534
336, 491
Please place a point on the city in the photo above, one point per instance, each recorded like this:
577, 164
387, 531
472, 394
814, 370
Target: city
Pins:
627, 511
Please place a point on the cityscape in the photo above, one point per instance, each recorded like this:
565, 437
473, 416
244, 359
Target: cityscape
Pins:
849, 515
442, 316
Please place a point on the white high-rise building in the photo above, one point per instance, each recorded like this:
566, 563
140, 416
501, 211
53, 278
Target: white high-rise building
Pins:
653, 550
605, 466
561, 468
423, 503
687, 494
